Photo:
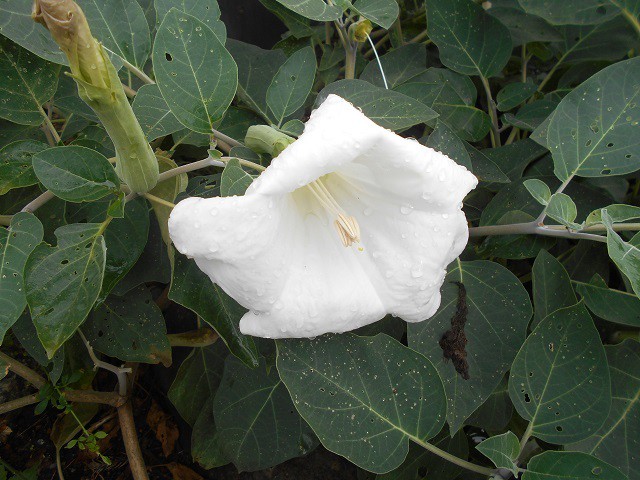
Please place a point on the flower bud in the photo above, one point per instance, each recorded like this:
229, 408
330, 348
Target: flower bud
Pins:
265, 139
359, 31
99, 86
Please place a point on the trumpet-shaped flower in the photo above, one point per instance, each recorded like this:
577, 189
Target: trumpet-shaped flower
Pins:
349, 223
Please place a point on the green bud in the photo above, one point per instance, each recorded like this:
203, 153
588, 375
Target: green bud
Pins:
265, 139
359, 31
99, 86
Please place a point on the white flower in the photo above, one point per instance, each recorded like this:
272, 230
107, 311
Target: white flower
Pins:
349, 223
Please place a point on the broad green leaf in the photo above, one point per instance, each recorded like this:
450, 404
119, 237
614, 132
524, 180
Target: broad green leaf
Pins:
299, 26
514, 94
75, 174
444, 140
387, 108
560, 379
63, 282
16, 243
502, 450
421, 463
569, 466
617, 440
206, 445
552, 288
607, 41
197, 381
313, 9
154, 114
382, 12
613, 305
121, 27
482, 50
365, 397
524, 28
256, 419
191, 288
196, 74
498, 312
531, 115
592, 131
125, 238
292, 83
494, 414
617, 213
67, 99
207, 11
129, 328
256, 68
293, 127
12, 132
625, 255
399, 65
484, 168
562, 209
17, 24
235, 180
15, 164
538, 190
27, 82
575, 12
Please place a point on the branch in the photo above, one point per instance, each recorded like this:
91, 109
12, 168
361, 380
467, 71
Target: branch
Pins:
532, 228
131, 444
23, 371
121, 373
493, 112
18, 403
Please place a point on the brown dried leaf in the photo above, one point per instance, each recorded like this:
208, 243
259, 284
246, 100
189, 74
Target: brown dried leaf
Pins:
164, 427
180, 472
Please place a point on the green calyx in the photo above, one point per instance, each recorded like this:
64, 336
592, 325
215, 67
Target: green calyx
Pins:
266, 139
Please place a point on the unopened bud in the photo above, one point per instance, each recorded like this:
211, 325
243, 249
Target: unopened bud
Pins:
360, 30
265, 139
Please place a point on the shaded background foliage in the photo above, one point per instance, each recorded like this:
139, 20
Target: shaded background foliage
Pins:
539, 98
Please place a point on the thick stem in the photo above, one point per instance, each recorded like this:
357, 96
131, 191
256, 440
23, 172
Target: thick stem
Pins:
18, 403
23, 371
532, 228
493, 112
131, 444
121, 373
350, 61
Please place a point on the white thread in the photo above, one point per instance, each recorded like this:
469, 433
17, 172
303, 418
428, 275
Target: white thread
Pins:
384, 78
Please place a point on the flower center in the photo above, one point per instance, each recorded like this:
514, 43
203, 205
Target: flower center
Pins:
346, 225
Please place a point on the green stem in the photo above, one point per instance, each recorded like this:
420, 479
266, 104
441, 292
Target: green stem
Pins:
350, 61
453, 459
493, 113
137, 72
50, 128
533, 228
525, 439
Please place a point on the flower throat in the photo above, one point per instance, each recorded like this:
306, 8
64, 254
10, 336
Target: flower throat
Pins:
346, 225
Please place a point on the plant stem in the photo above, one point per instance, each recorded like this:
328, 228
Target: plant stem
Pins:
50, 128
418, 38
350, 61
161, 201
512, 136
525, 438
23, 371
532, 228
453, 459
137, 72
131, 444
196, 338
493, 113
5, 220
121, 373
18, 403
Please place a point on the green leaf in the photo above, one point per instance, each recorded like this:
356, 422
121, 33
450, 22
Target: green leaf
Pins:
256, 68
154, 114
617, 213
16, 244
502, 450
399, 65
592, 131
196, 74
12, 132
482, 50
569, 466
206, 445
235, 180
15, 164
129, 328
382, 12
256, 419
524, 28
625, 255
552, 288
75, 174
17, 25
63, 282
197, 381
313, 9
563, 210
290, 87
365, 397
495, 413
27, 82
616, 441
484, 168
560, 379
444, 140
498, 313
206, 11
421, 463
191, 288
167, 190
299, 26
613, 305
121, 27
575, 12
531, 115
387, 108
538, 190
125, 238
514, 94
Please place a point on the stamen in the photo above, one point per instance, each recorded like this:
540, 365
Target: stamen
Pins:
346, 225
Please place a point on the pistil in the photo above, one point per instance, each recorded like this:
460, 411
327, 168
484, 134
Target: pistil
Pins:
346, 225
